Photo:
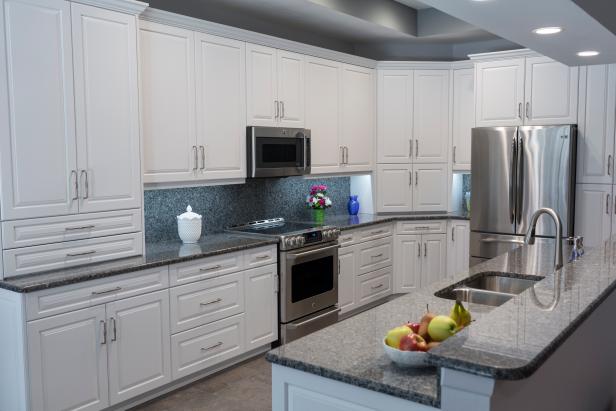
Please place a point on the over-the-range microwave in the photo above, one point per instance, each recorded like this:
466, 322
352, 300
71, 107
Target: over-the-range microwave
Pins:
277, 151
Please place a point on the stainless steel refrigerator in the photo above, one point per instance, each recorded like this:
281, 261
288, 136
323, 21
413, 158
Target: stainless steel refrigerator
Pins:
515, 171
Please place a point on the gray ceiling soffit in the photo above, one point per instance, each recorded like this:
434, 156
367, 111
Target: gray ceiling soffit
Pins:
604, 11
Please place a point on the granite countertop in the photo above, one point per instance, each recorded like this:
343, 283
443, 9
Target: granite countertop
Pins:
348, 222
157, 253
507, 342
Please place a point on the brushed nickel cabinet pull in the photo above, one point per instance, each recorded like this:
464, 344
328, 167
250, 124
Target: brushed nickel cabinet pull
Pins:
86, 184
453, 229
83, 227
211, 347
115, 331
103, 325
195, 158
211, 302
609, 165
377, 255
410, 178
214, 267
425, 249
277, 109
106, 291
202, 148
282, 109
418, 250
341, 155
607, 204
75, 185
376, 287
416, 148
262, 257
454, 155
410, 147
528, 109
422, 228
79, 254
376, 232
520, 110
416, 177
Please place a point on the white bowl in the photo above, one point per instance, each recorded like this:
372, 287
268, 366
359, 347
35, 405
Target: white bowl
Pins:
405, 358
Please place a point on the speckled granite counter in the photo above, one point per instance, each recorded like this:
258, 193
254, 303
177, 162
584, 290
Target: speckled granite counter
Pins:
157, 253
348, 222
507, 342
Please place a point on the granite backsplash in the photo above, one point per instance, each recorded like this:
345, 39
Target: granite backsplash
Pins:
225, 205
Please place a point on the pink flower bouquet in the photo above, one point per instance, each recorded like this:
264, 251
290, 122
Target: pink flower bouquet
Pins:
318, 199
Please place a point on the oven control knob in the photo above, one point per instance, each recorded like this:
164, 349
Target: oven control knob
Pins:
288, 242
301, 241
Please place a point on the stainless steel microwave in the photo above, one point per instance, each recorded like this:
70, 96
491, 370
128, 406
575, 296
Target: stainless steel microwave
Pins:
277, 151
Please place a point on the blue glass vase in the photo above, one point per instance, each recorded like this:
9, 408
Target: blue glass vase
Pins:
353, 205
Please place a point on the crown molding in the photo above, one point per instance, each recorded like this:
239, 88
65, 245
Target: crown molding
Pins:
414, 65
503, 55
123, 6
191, 23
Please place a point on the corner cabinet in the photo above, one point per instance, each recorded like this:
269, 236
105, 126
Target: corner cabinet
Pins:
463, 118
431, 115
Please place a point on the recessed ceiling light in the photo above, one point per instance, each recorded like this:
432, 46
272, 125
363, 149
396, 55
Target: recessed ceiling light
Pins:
548, 30
588, 53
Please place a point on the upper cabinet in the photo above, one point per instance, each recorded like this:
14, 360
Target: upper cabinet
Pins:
530, 91
395, 116
463, 118
275, 87
431, 115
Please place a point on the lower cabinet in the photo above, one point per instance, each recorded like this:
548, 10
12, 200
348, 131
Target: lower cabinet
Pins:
261, 306
346, 278
458, 242
594, 208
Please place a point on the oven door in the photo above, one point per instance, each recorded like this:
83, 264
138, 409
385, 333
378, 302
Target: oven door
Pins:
278, 152
308, 281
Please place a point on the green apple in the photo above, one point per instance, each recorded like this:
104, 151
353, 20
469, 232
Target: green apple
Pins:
395, 335
441, 327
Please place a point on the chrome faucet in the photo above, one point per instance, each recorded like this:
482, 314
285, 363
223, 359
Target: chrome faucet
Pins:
558, 246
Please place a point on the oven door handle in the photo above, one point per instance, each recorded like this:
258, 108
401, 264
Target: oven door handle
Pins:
318, 250
294, 326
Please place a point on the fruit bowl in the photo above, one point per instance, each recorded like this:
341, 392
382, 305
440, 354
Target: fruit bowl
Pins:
405, 358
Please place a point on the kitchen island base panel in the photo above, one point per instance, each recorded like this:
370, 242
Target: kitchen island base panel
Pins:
301, 391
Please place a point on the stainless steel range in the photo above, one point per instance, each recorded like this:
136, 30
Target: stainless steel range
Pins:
308, 267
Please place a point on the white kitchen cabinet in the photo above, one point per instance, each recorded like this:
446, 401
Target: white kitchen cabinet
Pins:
551, 92
107, 108
275, 87
67, 358
346, 278
38, 166
593, 213
167, 70
434, 264
393, 185
407, 263
261, 306
458, 242
499, 93
395, 116
431, 115
463, 118
221, 107
139, 345
430, 187
597, 105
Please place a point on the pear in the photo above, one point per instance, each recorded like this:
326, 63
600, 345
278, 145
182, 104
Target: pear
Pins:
460, 315
423, 325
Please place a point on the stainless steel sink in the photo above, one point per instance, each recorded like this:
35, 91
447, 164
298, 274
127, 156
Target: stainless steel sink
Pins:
500, 284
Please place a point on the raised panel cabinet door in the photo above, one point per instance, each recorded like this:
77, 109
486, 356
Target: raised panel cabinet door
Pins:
291, 88
597, 105
262, 105
593, 213
458, 238
499, 93
551, 92
221, 107
67, 357
107, 109
167, 71
358, 118
408, 256
430, 184
395, 116
322, 114
434, 264
394, 188
347, 271
431, 116
463, 118
261, 306
37, 117
139, 345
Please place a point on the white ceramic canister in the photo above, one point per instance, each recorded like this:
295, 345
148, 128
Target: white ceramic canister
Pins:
189, 226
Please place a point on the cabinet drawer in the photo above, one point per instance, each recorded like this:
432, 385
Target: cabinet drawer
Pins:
376, 231
21, 261
260, 256
348, 237
206, 346
206, 301
374, 255
72, 297
420, 227
373, 286
205, 268
25, 233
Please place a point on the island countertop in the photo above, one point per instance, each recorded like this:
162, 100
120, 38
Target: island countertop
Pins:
507, 342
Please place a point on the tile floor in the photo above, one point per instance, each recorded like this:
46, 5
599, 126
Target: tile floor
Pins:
246, 386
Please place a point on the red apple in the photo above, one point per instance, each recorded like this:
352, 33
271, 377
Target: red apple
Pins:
412, 342
413, 326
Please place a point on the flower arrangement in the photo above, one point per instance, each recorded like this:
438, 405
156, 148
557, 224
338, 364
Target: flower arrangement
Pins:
318, 199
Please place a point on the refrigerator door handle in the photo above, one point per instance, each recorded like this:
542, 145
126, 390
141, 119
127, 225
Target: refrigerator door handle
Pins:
519, 180
512, 181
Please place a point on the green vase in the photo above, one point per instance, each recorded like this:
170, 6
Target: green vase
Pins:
319, 215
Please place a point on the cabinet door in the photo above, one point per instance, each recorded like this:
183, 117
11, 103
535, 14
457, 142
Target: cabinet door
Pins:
434, 264
431, 115
358, 117
107, 109
593, 213
463, 118
551, 92
221, 107
167, 102
408, 256
346, 278
261, 306
458, 239
261, 86
394, 188
291, 88
430, 187
37, 125
395, 116
139, 345
322, 114
67, 357
499, 93
597, 105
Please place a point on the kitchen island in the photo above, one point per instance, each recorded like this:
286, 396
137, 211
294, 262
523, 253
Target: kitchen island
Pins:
550, 347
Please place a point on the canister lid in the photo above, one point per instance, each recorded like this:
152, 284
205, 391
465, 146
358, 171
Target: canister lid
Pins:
189, 215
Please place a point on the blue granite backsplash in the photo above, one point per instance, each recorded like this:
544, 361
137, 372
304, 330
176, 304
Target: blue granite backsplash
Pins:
222, 206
